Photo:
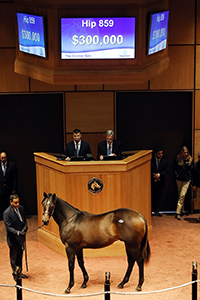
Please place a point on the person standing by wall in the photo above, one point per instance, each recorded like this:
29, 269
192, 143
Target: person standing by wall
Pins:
183, 171
8, 182
16, 228
196, 181
159, 169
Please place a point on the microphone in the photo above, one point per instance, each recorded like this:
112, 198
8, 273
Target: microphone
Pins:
76, 140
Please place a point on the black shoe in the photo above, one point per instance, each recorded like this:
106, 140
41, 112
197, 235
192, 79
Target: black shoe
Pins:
158, 214
178, 217
24, 276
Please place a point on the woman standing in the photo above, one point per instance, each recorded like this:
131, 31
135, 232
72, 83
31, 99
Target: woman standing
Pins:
183, 168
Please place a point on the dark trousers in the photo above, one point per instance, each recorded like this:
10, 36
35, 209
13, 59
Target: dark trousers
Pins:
16, 254
4, 203
156, 196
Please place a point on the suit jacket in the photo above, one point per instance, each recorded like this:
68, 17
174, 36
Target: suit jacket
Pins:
9, 182
162, 170
14, 225
84, 149
196, 174
116, 148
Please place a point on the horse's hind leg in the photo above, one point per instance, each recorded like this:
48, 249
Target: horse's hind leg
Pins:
131, 262
140, 263
79, 255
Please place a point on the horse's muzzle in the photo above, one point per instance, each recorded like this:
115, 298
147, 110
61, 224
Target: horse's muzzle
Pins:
45, 222
45, 219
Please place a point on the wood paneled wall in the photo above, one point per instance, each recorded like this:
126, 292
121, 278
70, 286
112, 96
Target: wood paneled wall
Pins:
92, 113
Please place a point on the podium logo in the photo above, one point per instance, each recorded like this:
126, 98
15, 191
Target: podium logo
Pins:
95, 185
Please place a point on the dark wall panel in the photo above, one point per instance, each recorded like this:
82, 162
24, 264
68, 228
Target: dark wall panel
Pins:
149, 119
30, 123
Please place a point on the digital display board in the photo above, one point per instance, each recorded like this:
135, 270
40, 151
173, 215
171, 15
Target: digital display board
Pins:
98, 38
158, 32
31, 34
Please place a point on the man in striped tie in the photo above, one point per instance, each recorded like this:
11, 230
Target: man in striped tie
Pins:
16, 227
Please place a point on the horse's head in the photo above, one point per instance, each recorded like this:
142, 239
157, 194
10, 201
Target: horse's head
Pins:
48, 204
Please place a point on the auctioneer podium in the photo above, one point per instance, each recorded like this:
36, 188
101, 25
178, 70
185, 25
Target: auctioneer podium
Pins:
96, 187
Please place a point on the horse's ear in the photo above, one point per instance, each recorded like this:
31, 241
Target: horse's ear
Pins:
45, 196
54, 197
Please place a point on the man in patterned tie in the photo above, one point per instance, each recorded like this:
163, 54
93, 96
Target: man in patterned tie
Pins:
110, 146
8, 181
16, 227
159, 170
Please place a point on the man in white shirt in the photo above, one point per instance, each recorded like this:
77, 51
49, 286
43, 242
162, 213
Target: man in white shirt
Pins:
77, 147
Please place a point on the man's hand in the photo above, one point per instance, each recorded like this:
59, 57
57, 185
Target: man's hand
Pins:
22, 233
24, 229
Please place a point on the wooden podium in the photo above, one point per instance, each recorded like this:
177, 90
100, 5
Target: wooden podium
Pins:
123, 183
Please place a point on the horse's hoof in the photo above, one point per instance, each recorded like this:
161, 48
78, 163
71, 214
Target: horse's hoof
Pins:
84, 285
120, 286
138, 289
67, 291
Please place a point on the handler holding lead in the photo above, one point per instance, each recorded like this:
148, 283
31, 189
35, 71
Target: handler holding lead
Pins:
16, 227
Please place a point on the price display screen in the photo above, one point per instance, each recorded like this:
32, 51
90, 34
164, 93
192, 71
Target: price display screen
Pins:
98, 38
31, 34
158, 32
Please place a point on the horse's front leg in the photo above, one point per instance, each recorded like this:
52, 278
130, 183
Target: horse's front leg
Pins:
71, 258
79, 255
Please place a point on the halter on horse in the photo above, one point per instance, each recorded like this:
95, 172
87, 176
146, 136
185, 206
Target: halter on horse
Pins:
79, 230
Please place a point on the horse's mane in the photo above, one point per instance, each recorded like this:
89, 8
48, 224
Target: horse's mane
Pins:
65, 203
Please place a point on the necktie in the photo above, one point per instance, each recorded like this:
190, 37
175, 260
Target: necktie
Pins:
19, 215
75, 152
157, 164
109, 149
77, 145
4, 169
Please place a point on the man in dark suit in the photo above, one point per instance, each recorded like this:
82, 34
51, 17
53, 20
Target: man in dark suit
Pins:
16, 227
77, 147
8, 182
109, 147
159, 169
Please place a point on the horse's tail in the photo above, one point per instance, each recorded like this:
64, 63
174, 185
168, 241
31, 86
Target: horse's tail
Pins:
144, 246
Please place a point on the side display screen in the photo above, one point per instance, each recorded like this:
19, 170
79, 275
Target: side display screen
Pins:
158, 32
31, 34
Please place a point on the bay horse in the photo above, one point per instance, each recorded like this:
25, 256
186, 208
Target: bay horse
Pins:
80, 229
